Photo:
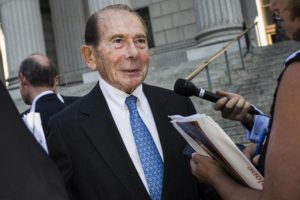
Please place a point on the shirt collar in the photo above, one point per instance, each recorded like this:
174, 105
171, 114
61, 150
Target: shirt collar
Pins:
38, 97
118, 97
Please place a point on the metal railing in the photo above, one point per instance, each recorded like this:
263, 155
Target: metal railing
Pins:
221, 52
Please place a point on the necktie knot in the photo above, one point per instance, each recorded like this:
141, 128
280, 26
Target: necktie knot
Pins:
131, 102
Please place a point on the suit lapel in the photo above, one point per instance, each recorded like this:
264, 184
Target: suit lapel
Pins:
102, 131
161, 110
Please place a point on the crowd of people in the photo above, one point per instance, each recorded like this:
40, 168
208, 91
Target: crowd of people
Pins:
117, 142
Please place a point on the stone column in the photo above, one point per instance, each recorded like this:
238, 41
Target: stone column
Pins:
68, 25
217, 20
94, 5
23, 32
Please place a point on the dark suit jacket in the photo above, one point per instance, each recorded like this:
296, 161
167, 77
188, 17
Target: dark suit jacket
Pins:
88, 149
47, 106
26, 172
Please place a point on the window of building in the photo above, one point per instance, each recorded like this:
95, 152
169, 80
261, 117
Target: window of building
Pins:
48, 30
144, 13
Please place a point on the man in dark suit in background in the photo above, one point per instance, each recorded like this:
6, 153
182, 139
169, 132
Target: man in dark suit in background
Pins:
96, 140
37, 79
26, 172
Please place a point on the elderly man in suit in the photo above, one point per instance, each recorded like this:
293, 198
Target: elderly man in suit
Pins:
117, 142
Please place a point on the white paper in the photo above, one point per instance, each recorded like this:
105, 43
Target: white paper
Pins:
34, 124
222, 142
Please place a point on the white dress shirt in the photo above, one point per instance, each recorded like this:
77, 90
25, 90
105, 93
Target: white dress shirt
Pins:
115, 99
34, 123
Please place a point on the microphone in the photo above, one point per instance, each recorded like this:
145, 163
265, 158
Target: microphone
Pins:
187, 88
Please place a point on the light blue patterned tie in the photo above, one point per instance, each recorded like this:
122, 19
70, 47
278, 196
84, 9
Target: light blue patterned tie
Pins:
149, 155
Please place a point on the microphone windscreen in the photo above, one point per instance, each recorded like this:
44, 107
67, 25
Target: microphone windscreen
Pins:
185, 88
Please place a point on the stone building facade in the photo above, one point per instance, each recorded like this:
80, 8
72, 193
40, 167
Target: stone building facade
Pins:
179, 30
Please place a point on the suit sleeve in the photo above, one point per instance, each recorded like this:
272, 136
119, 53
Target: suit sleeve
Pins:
59, 154
190, 106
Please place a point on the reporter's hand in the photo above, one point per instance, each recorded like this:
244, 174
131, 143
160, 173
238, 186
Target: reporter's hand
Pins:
249, 152
234, 107
204, 168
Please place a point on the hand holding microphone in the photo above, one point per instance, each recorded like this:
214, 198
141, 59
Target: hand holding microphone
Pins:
187, 88
233, 107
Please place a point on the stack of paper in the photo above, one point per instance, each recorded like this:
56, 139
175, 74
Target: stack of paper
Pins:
206, 137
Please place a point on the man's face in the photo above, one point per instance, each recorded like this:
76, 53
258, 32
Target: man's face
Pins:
122, 53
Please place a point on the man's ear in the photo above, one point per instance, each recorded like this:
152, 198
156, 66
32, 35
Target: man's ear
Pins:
88, 55
23, 79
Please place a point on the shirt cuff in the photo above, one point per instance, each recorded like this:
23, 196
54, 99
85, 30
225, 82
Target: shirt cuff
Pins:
260, 127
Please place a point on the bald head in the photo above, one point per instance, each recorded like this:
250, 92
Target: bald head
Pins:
41, 59
38, 70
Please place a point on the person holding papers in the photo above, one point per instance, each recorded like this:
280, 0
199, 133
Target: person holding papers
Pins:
280, 157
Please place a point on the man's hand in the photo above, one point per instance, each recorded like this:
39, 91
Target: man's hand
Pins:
205, 169
249, 152
234, 107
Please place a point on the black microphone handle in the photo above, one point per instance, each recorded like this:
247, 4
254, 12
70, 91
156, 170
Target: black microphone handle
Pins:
210, 96
213, 97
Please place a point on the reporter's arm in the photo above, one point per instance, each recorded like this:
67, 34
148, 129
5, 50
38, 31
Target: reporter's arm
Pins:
235, 107
282, 167
282, 171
